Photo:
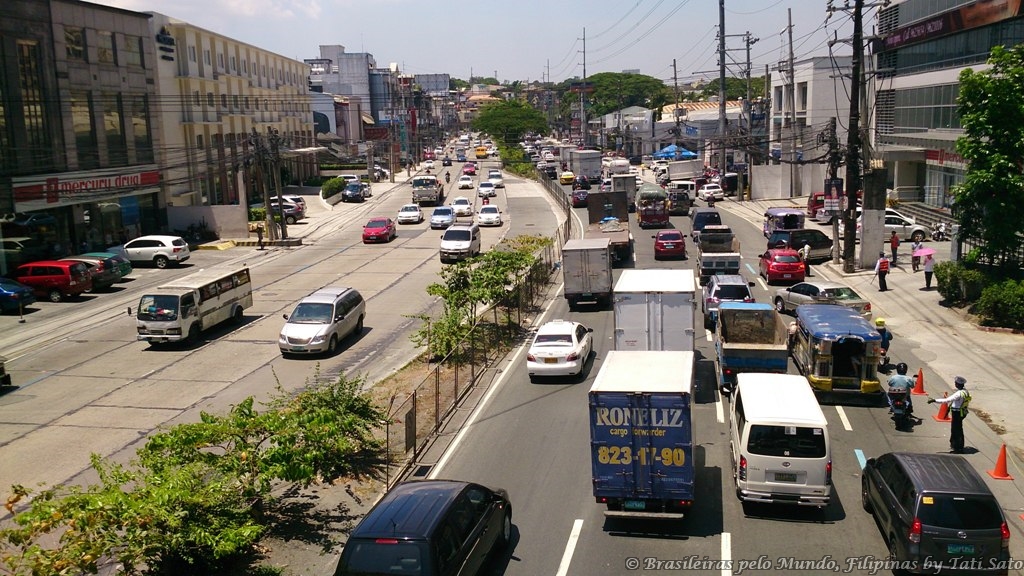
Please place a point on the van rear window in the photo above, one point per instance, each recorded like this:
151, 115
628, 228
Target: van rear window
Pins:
786, 441
959, 512
384, 556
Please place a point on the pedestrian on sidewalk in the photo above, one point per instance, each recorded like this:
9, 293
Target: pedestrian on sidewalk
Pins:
929, 267
894, 243
882, 270
915, 261
259, 236
958, 403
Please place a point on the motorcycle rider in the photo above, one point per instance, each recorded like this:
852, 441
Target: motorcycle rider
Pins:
901, 380
447, 177
886, 340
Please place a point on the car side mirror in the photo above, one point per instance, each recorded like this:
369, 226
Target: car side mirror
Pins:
654, 235
751, 284
590, 329
285, 316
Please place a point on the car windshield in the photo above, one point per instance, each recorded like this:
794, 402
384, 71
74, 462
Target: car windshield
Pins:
156, 307
443, 212
458, 235
840, 293
786, 441
311, 313
732, 292
553, 340
959, 512
377, 224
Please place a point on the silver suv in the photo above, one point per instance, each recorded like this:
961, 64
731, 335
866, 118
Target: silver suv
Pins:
724, 288
321, 320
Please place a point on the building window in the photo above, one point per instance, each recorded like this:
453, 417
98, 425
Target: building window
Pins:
195, 98
113, 124
85, 131
105, 47
199, 141
233, 64
74, 43
192, 53
140, 128
206, 58
245, 67
246, 102
223, 100
777, 101
220, 61
209, 99
133, 50
234, 102
801, 90
37, 136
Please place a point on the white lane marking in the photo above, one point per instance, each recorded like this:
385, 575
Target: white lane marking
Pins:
842, 416
570, 547
719, 410
486, 398
726, 554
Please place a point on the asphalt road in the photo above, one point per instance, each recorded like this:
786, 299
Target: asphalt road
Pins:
533, 440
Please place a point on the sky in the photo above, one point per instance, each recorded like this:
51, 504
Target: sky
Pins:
526, 40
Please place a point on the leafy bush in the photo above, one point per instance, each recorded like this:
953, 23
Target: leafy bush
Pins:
313, 181
958, 283
1002, 304
257, 214
332, 187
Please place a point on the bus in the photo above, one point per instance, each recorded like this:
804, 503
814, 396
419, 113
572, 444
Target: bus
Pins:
836, 348
180, 310
481, 153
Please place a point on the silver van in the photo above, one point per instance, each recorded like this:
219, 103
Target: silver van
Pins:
459, 242
779, 441
321, 320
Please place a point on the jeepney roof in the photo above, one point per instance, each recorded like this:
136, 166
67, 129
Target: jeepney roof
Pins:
832, 321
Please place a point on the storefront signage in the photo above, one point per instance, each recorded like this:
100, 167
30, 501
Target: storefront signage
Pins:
943, 158
973, 15
41, 192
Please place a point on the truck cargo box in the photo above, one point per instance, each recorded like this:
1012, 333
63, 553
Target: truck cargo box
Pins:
654, 310
587, 271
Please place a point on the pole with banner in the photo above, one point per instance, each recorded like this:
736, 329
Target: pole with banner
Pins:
834, 206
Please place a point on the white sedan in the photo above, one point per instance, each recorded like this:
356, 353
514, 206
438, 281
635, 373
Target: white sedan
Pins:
410, 214
429, 164
489, 215
486, 190
711, 190
465, 182
560, 348
496, 179
462, 206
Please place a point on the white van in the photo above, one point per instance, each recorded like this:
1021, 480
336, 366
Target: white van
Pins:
779, 441
460, 242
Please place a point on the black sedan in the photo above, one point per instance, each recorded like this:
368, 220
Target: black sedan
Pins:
356, 192
446, 161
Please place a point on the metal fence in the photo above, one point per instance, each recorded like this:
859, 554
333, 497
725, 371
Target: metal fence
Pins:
415, 417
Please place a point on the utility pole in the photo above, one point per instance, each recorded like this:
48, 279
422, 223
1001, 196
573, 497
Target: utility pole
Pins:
794, 167
853, 142
675, 84
721, 89
834, 160
583, 91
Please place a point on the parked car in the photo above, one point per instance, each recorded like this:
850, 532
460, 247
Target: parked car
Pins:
442, 217
292, 212
381, 229
462, 206
669, 244
14, 296
579, 198
489, 215
906, 229
54, 280
711, 191
321, 320
566, 177
820, 292
21, 249
429, 527
300, 201
486, 189
161, 251
103, 271
410, 214
560, 348
124, 265
935, 508
723, 288
465, 182
781, 265
356, 192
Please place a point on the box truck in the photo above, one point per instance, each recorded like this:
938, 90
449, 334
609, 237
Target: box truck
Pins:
654, 310
587, 271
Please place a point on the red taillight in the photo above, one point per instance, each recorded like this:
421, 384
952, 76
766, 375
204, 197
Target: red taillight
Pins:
176, 249
915, 532
748, 299
743, 468
531, 357
867, 307
828, 473
572, 357
729, 371
386, 541
1005, 533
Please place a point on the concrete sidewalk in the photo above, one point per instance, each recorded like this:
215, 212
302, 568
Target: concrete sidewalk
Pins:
942, 339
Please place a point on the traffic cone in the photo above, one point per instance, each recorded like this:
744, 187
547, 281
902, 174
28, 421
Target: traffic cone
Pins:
1000, 472
919, 384
943, 415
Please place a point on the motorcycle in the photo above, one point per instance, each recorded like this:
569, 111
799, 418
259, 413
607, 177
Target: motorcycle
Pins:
939, 233
883, 361
899, 406
447, 178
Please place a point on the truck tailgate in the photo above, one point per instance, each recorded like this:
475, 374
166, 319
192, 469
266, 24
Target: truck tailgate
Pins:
756, 357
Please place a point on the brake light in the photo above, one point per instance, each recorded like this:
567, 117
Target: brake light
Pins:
867, 307
386, 541
729, 371
743, 468
915, 532
1005, 532
748, 299
828, 473
176, 249
531, 357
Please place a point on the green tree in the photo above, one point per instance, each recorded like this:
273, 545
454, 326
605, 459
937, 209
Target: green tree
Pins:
735, 88
613, 91
509, 120
990, 202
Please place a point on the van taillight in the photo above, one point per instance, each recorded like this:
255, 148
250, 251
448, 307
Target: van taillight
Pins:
867, 307
1005, 532
743, 468
915, 532
386, 541
531, 357
828, 473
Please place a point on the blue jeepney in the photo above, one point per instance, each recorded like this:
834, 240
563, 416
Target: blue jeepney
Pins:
836, 348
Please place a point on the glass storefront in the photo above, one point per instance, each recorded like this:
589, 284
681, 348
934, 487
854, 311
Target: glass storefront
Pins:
939, 183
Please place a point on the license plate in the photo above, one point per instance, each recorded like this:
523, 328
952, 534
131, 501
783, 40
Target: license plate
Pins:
298, 350
634, 505
787, 275
959, 548
667, 246
551, 360
785, 477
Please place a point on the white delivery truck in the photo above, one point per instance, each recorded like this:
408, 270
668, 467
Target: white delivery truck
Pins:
654, 310
587, 271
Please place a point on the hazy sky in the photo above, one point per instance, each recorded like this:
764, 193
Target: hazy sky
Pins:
524, 40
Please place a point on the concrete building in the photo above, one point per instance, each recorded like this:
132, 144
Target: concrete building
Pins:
924, 47
820, 91
77, 160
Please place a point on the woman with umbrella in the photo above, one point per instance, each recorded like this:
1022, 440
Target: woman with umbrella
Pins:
929, 264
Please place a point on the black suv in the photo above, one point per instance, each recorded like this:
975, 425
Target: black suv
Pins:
936, 514
821, 245
356, 192
429, 528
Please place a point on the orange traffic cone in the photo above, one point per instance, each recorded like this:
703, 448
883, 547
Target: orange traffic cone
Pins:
1000, 472
943, 415
919, 384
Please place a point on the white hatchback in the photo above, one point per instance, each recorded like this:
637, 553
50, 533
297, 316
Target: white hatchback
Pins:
560, 348
410, 214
